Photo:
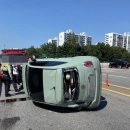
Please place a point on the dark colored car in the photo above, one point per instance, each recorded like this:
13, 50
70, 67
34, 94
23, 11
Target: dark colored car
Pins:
119, 63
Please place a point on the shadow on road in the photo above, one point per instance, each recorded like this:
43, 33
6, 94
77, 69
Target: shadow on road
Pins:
102, 105
55, 108
8, 123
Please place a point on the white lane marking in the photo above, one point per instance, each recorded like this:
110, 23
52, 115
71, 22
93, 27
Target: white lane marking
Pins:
117, 76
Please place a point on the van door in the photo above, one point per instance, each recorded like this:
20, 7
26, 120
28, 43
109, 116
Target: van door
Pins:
49, 85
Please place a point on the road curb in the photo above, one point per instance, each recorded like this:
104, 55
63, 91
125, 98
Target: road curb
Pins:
9, 100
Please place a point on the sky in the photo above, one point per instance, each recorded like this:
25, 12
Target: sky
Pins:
26, 23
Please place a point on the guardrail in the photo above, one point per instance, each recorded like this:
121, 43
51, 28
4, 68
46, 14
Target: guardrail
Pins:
104, 65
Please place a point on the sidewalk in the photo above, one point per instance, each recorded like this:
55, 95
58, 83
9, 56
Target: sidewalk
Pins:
14, 95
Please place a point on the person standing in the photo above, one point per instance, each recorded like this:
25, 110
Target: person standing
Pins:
15, 78
1, 76
20, 77
7, 77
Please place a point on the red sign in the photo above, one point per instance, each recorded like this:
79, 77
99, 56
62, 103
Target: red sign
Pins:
13, 51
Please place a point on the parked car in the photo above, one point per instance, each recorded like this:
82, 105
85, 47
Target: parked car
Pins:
119, 63
67, 82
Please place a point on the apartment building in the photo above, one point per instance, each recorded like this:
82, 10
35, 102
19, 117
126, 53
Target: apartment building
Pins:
81, 38
126, 41
114, 39
54, 40
119, 40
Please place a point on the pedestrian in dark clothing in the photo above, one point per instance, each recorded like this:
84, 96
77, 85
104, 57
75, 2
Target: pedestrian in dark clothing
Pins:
19, 68
20, 77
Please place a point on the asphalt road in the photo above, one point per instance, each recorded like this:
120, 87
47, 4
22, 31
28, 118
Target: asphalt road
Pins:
119, 77
113, 113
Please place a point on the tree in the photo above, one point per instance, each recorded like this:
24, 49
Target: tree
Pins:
91, 50
126, 56
103, 51
49, 49
32, 51
117, 53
